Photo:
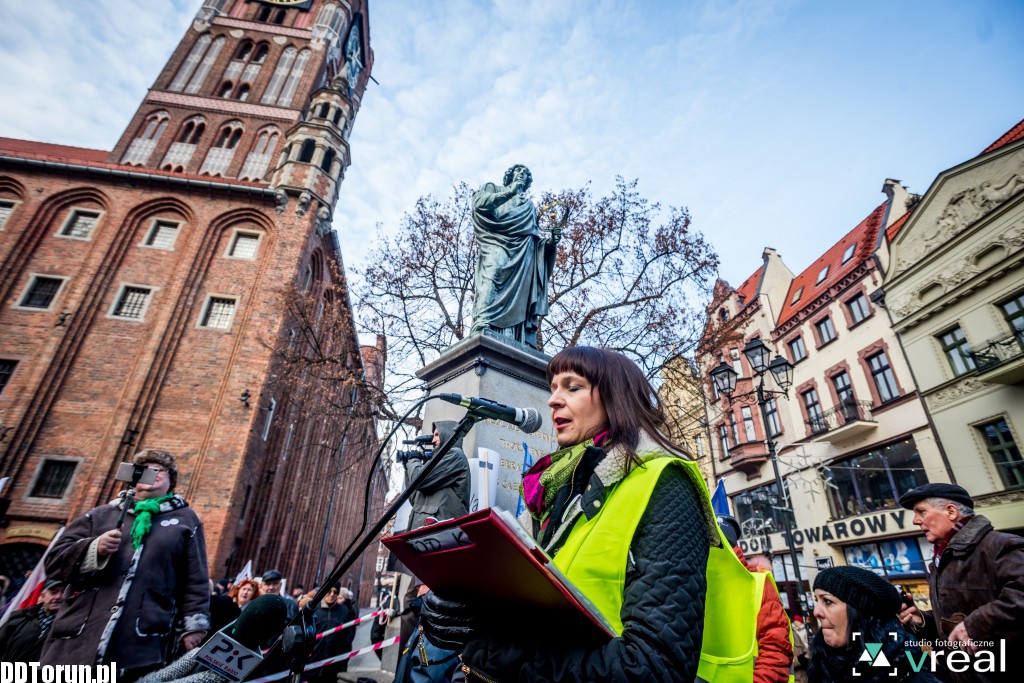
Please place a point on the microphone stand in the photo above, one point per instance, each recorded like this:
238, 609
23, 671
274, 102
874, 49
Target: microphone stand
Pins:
299, 634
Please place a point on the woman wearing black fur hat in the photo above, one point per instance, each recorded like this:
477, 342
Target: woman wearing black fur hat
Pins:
851, 600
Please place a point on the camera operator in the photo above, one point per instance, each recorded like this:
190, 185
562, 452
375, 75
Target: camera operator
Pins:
443, 495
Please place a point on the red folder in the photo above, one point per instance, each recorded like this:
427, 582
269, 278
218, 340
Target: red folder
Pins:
485, 554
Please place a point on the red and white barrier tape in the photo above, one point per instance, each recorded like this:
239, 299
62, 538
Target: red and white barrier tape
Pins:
355, 621
331, 660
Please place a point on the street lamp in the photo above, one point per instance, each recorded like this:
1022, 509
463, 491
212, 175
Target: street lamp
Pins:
781, 370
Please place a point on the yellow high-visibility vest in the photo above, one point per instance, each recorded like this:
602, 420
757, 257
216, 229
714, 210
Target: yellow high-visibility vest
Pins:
594, 558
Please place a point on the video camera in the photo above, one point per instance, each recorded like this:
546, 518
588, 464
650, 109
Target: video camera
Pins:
421, 442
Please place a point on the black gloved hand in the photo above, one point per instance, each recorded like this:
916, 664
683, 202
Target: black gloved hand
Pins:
448, 624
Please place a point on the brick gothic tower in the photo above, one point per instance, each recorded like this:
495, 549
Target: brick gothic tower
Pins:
142, 289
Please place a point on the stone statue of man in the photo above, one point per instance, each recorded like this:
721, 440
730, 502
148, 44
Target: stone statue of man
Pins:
516, 260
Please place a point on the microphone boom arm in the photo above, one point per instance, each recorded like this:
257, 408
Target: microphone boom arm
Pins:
301, 624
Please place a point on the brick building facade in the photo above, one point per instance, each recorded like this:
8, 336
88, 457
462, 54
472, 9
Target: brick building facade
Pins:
144, 297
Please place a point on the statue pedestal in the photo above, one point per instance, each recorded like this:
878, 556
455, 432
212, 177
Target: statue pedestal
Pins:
489, 366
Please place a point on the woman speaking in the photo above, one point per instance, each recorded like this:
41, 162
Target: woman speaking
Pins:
629, 522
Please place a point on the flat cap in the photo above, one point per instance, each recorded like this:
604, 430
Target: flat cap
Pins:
52, 583
272, 575
957, 494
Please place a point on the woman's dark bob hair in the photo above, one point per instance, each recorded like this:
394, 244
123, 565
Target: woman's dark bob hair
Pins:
631, 402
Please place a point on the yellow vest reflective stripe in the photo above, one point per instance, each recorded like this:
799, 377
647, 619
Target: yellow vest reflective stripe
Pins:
595, 554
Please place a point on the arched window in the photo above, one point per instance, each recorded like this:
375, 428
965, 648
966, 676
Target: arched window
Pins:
328, 24
279, 17
284, 66
180, 153
294, 77
225, 89
337, 117
243, 51
328, 159
258, 160
219, 157
142, 146
306, 153
192, 130
244, 68
264, 13
324, 110
197, 74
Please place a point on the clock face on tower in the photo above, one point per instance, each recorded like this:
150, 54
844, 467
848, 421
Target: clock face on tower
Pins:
303, 4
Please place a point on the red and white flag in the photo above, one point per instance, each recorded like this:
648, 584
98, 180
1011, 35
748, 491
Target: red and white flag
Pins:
28, 595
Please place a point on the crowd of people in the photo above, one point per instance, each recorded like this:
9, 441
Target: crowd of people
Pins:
625, 516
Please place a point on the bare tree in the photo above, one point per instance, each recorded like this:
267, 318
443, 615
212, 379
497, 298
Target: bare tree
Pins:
629, 276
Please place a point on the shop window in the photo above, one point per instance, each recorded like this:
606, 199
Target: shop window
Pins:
765, 503
876, 479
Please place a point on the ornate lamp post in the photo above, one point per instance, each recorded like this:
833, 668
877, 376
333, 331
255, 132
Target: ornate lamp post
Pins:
781, 370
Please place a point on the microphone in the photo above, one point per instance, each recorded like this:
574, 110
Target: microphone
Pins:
232, 652
527, 419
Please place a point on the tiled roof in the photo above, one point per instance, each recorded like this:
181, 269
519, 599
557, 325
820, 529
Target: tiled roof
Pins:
44, 150
863, 237
893, 230
97, 158
748, 289
1015, 133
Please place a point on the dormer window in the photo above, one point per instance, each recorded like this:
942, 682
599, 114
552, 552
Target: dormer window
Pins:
796, 296
848, 254
822, 275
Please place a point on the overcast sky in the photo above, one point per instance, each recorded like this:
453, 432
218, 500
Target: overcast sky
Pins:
774, 122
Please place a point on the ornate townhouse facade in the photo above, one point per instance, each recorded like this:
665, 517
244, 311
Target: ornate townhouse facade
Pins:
955, 292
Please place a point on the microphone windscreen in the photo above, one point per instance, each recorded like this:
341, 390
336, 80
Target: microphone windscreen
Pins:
531, 420
260, 620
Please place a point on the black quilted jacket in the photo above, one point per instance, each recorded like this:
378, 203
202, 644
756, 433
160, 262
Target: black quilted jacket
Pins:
662, 611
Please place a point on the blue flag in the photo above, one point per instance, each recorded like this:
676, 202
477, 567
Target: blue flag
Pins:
720, 501
527, 464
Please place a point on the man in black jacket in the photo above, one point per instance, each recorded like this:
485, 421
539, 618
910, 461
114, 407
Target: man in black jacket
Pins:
22, 637
332, 613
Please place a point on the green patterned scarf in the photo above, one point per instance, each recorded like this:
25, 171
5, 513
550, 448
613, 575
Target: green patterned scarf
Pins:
558, 474
144, 511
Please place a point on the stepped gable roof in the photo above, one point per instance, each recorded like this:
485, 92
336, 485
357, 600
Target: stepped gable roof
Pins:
1012, 135
748, 289
862, 237
97, 158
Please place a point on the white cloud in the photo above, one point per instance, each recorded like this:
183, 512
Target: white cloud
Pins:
775, 122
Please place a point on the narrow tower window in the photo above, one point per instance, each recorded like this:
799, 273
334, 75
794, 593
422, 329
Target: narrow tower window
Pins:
196, 82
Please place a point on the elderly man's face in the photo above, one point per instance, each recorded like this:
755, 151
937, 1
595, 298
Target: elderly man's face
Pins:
935, 522
52, 598
272, 587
